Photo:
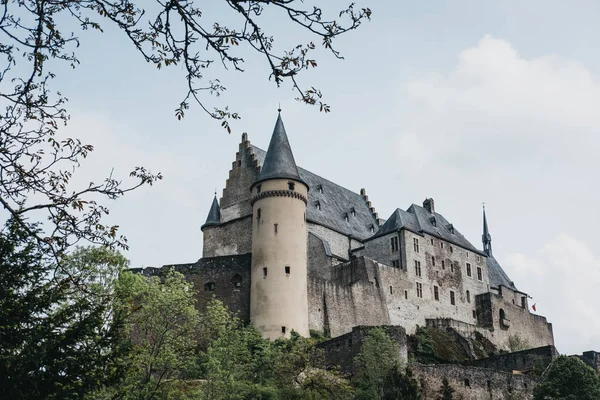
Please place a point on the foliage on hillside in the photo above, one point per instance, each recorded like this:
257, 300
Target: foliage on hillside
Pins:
434, 345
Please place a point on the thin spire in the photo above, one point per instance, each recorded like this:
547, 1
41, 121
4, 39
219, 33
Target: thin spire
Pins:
279, 108
214, 215
486, 238
279, 162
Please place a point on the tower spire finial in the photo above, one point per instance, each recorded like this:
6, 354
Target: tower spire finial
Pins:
279, 108
486, 238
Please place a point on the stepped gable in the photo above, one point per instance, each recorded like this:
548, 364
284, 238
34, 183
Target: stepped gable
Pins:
419, 220
335, 203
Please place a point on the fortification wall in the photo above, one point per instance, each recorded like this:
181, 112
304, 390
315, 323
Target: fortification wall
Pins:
319, 258
525, 360
225, 278
342, 350
230, 238
472, 383
517, 321
351, 298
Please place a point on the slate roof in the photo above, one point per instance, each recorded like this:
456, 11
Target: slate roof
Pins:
419, 220
214, 215
335, 202
497, 275
279, 161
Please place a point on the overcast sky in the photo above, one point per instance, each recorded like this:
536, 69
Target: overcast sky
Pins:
463, 101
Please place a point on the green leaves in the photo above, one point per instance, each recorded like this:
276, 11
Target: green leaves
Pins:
568, 378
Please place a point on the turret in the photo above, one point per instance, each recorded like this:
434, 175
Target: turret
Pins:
213, 220
278, 295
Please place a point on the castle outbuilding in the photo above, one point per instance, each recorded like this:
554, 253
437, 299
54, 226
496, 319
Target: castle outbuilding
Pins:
290, 250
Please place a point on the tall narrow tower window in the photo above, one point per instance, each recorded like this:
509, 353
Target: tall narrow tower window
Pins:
283, 330
265, 272
287, 269
291, 186
275, 228
258, 187
258, 215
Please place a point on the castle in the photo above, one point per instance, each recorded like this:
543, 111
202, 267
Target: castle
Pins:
290, 250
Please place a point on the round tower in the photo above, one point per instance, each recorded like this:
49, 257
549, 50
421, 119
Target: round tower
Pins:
278, 295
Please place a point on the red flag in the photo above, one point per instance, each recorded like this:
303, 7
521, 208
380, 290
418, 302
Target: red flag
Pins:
533, 306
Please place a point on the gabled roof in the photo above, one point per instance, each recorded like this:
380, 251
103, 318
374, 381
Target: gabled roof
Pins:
419, 220
279, 161
214, 215
497, 275
334, 202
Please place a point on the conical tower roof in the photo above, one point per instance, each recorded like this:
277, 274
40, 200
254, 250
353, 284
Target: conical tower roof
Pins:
214, 215
279, 161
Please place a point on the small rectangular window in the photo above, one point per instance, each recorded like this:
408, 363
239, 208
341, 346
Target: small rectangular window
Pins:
394, 244
283, 330
474, 314
416, 245
468, 296
436, 293
287, 269
275, 228
419, 290
265, 272
479, 274
433, 260
258, 187
442, 245
432, 242
452, 299
418, 268
406, 294
451, 249
291, 186
391, 290
443, 264
396, 263
468, 269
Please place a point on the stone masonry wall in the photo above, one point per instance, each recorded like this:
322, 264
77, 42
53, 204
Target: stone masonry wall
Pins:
342, 350
472, 383
225, 278
235, 202
338, 243
525, 360
319, 262
354, 296
230, 238
532, 328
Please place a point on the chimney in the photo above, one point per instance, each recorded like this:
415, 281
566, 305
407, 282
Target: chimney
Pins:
428, 205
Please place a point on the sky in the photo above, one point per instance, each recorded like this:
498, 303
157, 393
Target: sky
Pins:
462, 101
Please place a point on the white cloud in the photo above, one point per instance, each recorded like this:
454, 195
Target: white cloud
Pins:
563, 277
496, 99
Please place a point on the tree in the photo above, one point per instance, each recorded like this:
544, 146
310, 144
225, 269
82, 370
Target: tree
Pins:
161, 324
55, 341
446, 391
380, 372
568, 378
37, 36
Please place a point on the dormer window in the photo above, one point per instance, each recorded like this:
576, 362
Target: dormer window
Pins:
372, 228
318, 205
346, 217
433, 221
320, 188
451, 228
291, 186
353, 211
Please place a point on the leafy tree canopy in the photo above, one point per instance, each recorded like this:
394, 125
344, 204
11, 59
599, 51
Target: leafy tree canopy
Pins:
568, 378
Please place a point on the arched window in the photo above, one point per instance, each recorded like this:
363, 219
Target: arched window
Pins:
502, 314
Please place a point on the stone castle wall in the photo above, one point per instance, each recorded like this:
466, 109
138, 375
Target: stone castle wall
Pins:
472, 383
